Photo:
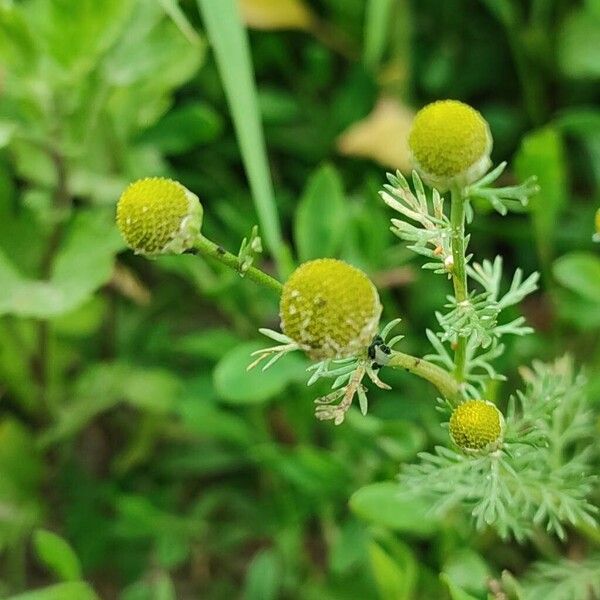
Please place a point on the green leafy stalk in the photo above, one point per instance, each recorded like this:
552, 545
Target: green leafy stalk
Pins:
206, 247
232, 53
459, 273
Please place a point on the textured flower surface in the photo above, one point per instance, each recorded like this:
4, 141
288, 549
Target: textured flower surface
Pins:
330, 309
450, 143
476, 425
158, 216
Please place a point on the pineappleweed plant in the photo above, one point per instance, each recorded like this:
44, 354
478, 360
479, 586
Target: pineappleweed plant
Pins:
527, 469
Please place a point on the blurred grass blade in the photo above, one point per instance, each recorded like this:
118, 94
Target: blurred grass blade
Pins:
377, 26
232, 53
172, 8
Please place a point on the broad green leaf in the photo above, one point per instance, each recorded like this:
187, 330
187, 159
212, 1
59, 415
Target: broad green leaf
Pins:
321, 216
383, 504
84, 262
232, 53
579, 45
184, 128
58, 556
237, 385
75, 590
263, 577
394, 574
542, 154
580, 273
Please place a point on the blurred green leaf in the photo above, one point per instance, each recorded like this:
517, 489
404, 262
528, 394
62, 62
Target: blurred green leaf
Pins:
209, 344
75, 590
103, 385
579, 272
57, 555
395, 574
383, 504
237, 385
579, 45
76, 34
349, 547
17, 44
173, 9
467, 570
83, 263
263, 577
456, 593
321, 215
377, 26
314, 472
21, 469
542, 155
158, 587
154, 55
185, 128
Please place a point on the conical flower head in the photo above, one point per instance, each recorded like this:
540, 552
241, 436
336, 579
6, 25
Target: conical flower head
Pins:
330, 309
450, 144
476, 425
159, 216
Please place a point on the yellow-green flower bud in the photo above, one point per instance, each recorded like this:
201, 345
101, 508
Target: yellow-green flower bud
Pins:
477, 425
450, 144
330, 309
159, 216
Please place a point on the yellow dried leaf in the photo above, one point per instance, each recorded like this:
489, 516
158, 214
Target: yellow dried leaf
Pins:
276, 14
382, 136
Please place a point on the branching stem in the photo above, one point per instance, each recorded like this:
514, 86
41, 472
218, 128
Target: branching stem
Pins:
459, 273
441, 379
206, 247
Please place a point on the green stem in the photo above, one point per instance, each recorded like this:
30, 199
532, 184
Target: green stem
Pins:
459, 273
206, 247
441, 379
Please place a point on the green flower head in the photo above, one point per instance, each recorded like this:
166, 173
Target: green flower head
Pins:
476, 425
450, 144
159, 216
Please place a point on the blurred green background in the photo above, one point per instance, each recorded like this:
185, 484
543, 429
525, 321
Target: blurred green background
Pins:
136, 454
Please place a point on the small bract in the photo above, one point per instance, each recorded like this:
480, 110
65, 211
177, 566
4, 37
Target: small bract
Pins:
159, 216
450, 144
330, 309
477, 425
